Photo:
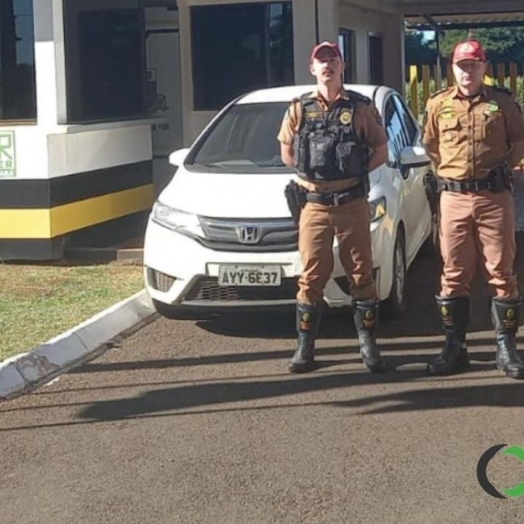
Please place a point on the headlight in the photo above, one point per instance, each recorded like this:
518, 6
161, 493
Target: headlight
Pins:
377, 209
176, 220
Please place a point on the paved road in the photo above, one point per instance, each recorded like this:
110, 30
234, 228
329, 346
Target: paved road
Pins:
198, 422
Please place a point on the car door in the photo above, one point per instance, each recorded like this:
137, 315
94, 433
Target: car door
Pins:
397, 140
402, 131
416, 205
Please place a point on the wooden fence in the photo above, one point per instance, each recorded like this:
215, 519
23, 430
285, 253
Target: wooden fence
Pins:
425, 80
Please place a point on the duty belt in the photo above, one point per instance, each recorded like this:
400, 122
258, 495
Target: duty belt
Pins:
337, 198
494, 182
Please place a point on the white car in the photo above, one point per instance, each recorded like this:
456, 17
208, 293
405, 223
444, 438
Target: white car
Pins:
221, 235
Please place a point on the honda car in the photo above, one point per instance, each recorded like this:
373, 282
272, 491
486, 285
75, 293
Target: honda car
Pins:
220, 236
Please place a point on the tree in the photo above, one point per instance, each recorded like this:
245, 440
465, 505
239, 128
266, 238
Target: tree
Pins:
502, 44
419, 51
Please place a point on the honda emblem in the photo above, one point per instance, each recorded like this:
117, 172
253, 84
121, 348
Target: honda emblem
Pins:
248, 234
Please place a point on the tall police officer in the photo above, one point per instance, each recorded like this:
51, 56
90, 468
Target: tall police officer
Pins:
333, 138
475, 134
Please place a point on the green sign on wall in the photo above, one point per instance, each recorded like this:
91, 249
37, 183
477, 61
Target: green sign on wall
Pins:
7, 154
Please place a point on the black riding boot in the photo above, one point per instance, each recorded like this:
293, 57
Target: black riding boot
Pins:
505, 314
366, 320
308, 323
454, 314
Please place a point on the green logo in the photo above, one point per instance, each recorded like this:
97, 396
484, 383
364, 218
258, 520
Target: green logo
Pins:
7, 154
482, 476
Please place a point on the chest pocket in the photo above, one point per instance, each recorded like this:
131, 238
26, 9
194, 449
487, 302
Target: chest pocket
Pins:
494, 127
449, 130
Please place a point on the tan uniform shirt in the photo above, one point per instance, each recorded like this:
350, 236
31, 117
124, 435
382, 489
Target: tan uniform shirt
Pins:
366, 121
471, 136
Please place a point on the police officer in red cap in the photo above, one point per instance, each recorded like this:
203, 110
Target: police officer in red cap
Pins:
475, 134
333, 138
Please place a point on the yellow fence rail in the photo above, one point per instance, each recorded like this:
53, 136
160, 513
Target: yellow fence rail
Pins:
425, 80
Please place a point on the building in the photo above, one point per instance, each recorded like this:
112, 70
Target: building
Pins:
94, 95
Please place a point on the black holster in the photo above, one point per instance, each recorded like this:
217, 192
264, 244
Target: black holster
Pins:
501, 178
296, 199
432, 191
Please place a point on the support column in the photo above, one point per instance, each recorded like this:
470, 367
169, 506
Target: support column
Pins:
393, 41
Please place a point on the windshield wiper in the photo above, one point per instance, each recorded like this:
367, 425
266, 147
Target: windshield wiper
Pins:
271, 164
209, 165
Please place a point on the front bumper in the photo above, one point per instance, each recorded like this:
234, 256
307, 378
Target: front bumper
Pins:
179, 271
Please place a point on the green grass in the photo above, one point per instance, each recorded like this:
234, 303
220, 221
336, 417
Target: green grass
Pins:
38, 302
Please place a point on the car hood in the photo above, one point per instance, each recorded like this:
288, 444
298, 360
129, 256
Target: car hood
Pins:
232, 195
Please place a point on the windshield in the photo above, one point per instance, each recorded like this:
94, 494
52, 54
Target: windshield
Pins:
244, 140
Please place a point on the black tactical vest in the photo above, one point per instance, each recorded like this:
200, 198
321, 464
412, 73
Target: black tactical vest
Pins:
326, 146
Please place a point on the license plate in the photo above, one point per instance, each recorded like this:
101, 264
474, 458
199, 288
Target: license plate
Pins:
249, 276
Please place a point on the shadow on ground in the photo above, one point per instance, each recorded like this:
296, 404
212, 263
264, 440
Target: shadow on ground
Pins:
420, 319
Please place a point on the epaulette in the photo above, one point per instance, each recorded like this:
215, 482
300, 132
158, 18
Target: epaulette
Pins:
303, 99
358, 97
502, 89
439, 92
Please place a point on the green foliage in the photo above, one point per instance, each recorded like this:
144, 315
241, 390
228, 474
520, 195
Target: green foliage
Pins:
418, 50
502, 44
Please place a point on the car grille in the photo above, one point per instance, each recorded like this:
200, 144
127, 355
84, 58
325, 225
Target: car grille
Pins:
244, 235
206, 289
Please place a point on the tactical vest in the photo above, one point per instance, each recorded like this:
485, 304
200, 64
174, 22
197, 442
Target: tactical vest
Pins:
326, 146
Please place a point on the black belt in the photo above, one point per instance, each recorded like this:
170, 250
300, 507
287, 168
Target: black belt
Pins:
337, 198
495, 182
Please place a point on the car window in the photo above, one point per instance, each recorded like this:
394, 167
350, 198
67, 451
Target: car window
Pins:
409, 124
244, 140
397, 136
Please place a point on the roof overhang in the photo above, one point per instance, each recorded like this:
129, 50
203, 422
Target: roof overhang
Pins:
461, 14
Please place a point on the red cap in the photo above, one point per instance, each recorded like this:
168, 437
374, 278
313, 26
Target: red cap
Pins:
330, 45
468, 50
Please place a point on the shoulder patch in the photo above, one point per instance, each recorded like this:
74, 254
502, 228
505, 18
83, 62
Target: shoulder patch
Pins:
358, 97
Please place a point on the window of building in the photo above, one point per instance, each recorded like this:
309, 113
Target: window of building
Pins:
105, 60
376, 59
238, 48
346, 42
17, 61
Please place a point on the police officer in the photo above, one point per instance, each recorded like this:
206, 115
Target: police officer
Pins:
333, 138
474, 134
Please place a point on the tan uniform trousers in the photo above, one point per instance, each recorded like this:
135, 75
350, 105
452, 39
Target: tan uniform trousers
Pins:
477, 226
318, 226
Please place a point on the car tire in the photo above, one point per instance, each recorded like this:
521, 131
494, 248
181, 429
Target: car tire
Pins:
395, 304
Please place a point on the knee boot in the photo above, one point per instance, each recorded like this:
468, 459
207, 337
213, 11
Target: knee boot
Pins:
366, 321
505, 315
454, 314
308, 324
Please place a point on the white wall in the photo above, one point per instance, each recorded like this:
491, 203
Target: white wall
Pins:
49, 135
363, 17
50, 148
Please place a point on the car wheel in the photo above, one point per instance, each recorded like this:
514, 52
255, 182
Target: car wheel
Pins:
395, 304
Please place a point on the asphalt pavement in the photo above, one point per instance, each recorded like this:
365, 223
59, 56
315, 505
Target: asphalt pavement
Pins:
199, 422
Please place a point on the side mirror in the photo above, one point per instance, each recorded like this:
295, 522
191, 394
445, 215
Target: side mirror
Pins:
414, 156
177, 157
